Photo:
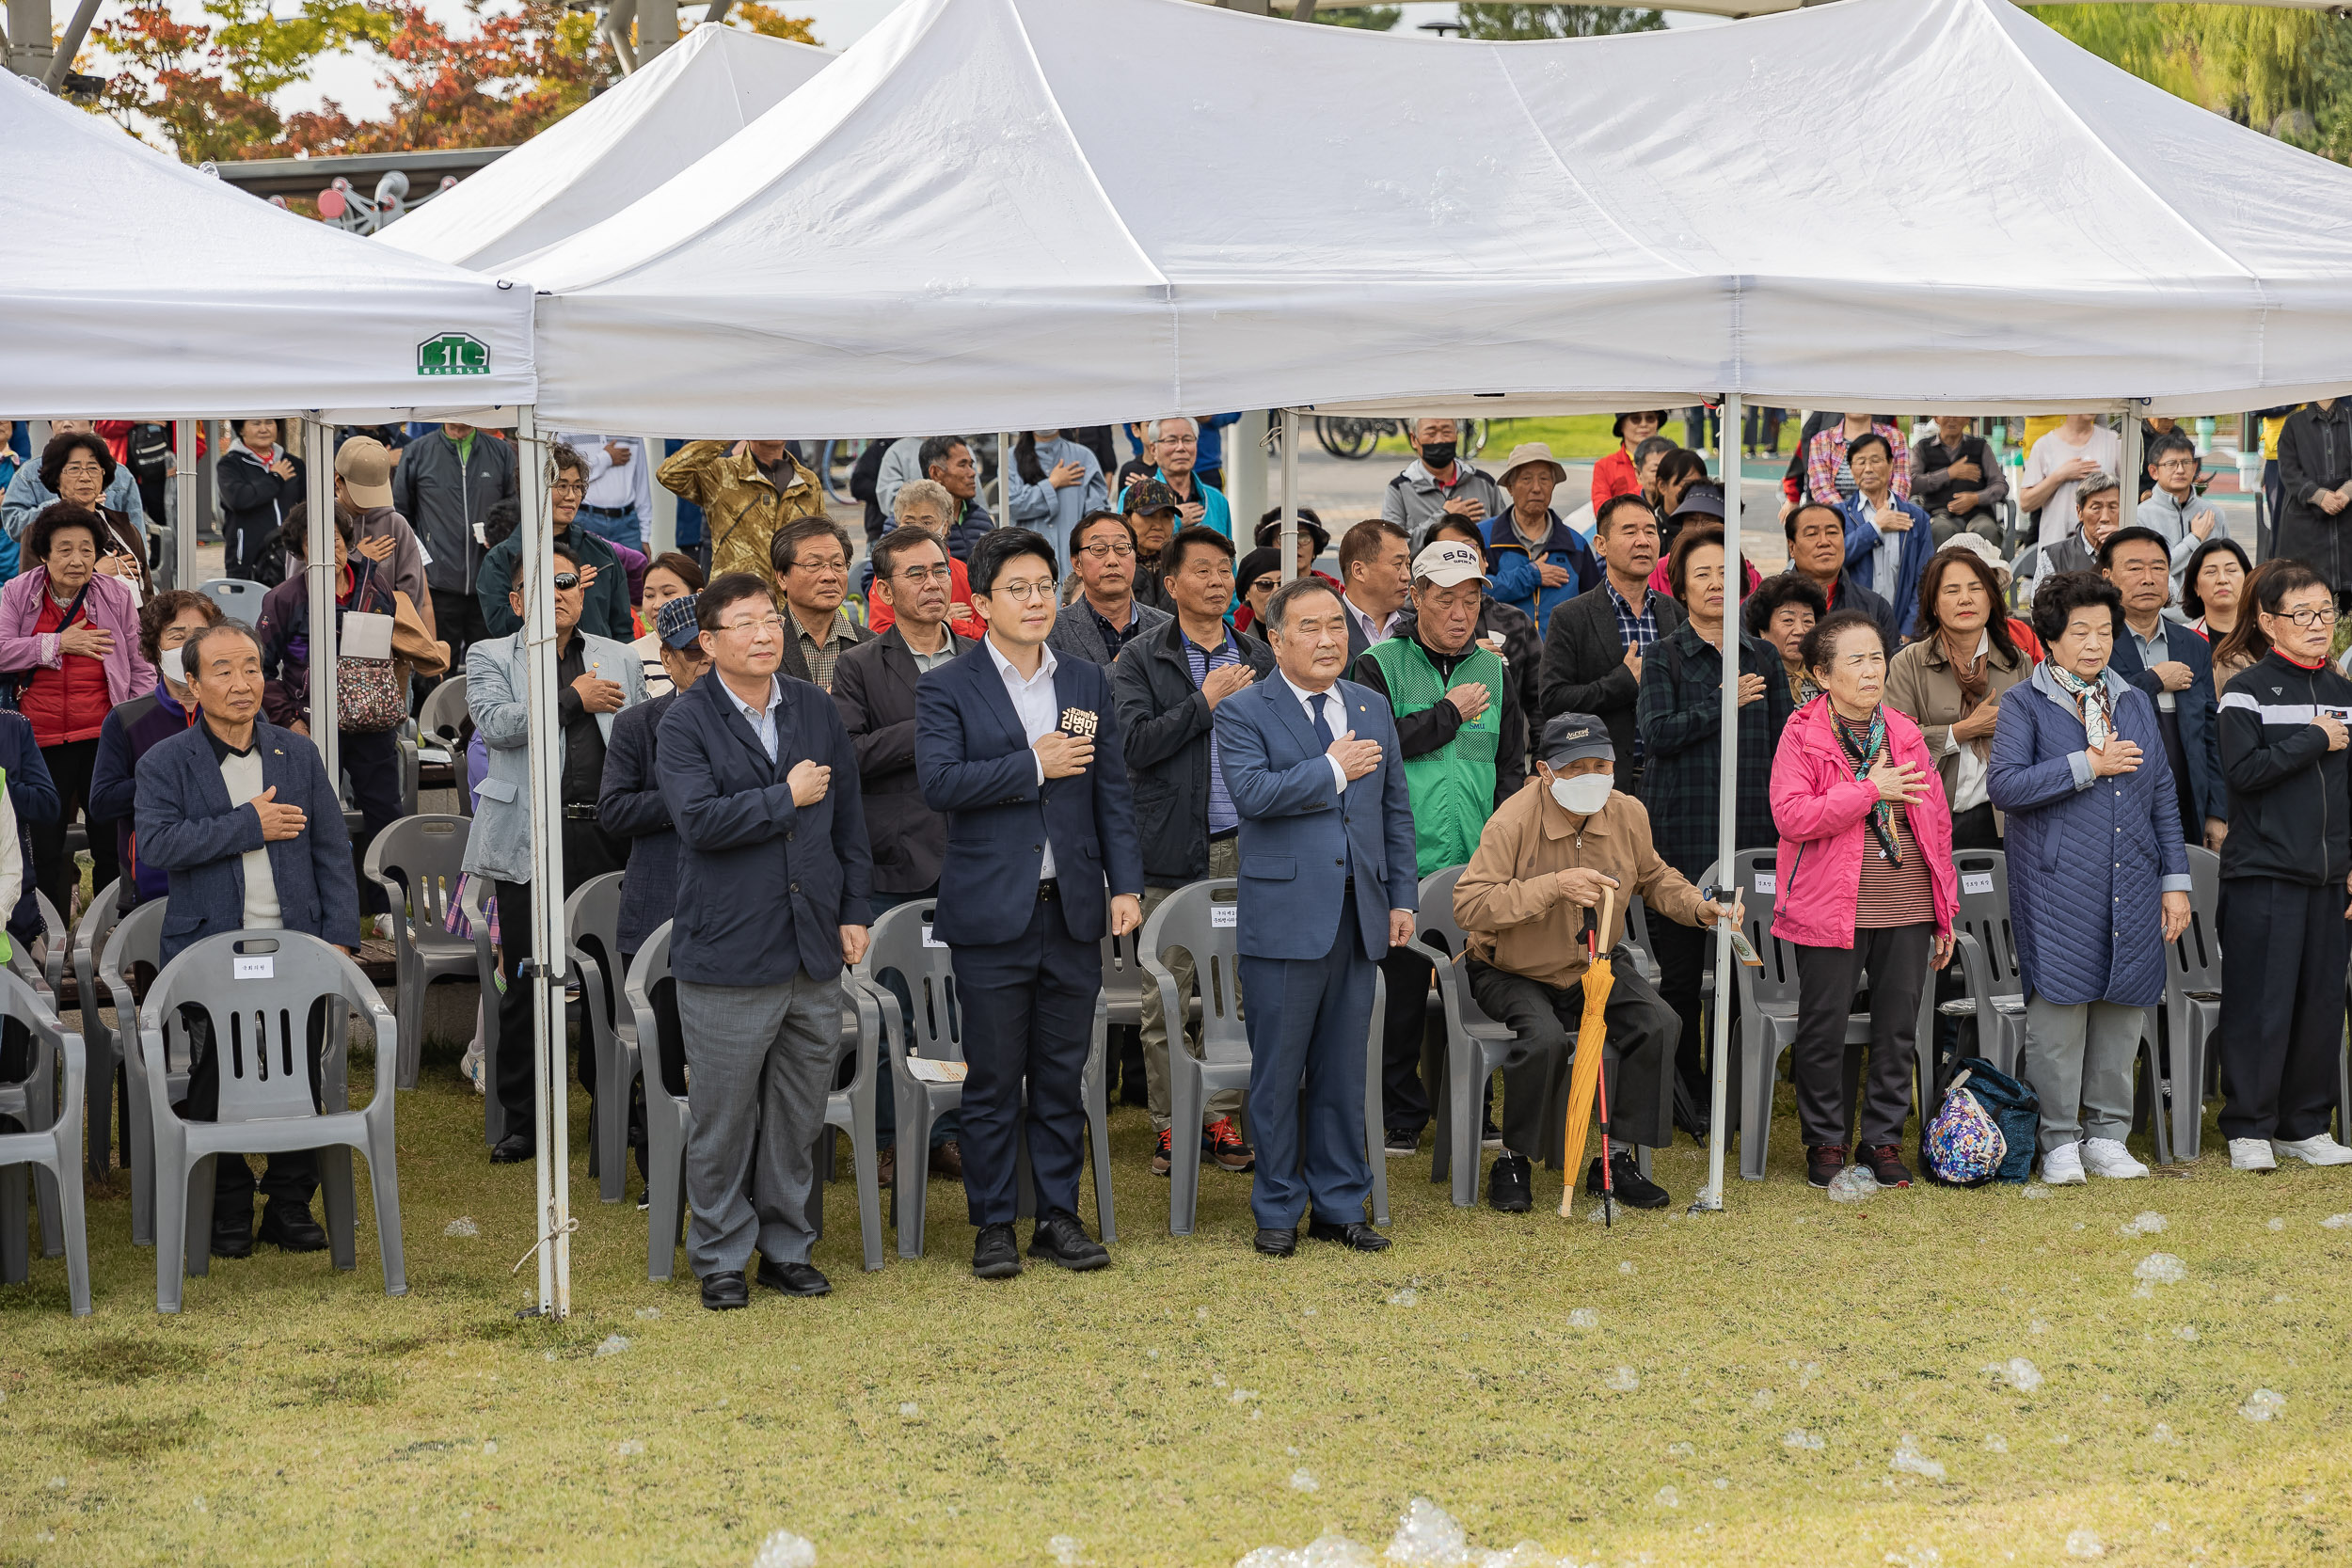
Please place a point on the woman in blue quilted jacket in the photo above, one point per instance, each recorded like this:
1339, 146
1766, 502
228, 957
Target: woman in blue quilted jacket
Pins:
2098, 875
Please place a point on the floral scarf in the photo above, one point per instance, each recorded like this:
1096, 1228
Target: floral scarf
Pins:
2092, 702
1866, 747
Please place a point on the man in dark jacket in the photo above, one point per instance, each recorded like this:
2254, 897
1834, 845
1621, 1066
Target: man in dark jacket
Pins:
259, 483
2315, 488
873, 686
167, 622
604, 609
1167, 684
445, 484
772, 872
243, 816
2286, 867
1816, 549
2174, 666
1105, 616
1595, 643
811, 560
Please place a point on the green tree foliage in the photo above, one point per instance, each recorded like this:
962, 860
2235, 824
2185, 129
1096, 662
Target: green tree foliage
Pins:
2252, 63
1372, 19
1497, 21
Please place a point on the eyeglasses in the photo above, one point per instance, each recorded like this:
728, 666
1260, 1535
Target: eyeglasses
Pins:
568, 487
2178, 463
1024, 592
1102, 550
764, 623
1178, 441
566, 580
921, 575
1265, 585
819, 564
2324, 616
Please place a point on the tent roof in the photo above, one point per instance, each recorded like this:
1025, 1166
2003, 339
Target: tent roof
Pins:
969, 222
132, 283
606, 154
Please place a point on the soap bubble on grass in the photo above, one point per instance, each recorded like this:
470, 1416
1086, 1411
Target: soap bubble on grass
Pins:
1583, 1317
1995, 1442
462, 1225
1760, 1400
2336, 1222
1666, 1496
2034, 1189
629, 1447
2020, 1373
1910, 1461
1809, 1441
491, 1447
649, 1313
1242, 1396
909, 1409
1303, 1479
1852, 1184
2262, 1404
1623, 1380
1408, 1296
2146, 1222
1065, 1549
613, 1345
2186, 1331
2160, 1268
2163, 1434
2085, 1543
784, 1549
2274, 1223
1682, 1451
1625, 1268
2037, 1326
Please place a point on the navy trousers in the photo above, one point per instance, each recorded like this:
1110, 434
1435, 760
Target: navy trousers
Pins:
1028, 1011
1307, 1022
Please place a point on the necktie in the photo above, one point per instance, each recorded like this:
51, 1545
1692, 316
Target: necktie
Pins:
1322, 730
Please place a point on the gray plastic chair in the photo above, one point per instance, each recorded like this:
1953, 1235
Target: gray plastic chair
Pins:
51, 1146
900, 946
2192, 1007
104, 1049
592, 920
415, 861
132, 947
238, 599
259, 1037
447, 722
56, 948
849, 1108
1122, 981
1985, 947
411, 768
478, 892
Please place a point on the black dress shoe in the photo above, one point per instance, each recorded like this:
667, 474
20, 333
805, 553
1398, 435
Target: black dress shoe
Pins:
724, 1290
996, 1255
1633, 1189
1355, 1233
793, 1279
513, 1149
1277, 1243
1059, 1237
1508, 1188
292, 1229
233, 1237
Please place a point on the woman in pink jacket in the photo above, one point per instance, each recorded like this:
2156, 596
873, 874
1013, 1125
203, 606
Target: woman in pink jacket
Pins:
1866, 885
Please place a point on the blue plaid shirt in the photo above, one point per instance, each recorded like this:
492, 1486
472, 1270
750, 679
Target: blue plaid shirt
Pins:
1636, 632
1223, 818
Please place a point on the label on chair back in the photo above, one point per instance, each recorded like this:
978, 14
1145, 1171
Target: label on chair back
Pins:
1767, 881
263, 967
928, 941
1224, 916
1976, 881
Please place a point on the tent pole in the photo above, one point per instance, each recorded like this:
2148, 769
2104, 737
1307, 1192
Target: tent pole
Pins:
183, 489
553, 1124
318, 468
1004, 484
1289, 495
2135, 461
1710, 1202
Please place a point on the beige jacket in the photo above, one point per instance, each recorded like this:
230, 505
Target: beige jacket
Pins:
741, 509
1921, 687
1508, 901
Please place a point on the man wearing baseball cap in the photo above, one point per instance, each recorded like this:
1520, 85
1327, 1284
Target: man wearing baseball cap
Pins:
1544, 858
364, 487
1464, 745
1151, 510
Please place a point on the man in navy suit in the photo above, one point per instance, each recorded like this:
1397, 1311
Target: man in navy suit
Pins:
1019, 751
2172, 664
1327, 886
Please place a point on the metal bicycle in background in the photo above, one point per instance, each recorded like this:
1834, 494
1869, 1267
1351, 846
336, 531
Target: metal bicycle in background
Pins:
1355, 439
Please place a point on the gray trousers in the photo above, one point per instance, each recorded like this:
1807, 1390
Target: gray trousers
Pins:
1224, 861
761, 1062
2078, 1059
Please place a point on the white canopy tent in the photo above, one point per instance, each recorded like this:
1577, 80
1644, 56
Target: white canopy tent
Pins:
597, 160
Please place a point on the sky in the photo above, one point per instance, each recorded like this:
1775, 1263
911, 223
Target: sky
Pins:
350, 79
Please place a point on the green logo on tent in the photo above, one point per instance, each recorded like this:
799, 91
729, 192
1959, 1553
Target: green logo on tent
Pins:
453, 353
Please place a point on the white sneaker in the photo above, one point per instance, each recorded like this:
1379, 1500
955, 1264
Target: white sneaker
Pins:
2063, 1166
2251, 1154
472, 1066
2320, 1151
2108, 1158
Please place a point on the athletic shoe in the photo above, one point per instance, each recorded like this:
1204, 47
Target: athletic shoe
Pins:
1508, 1187
2108, 1159
2064, 1167
1221, 1143
472, 1066
1886, 1162
1400, 1145
1626, 1184
1163, 1156
1489, 1136
1823, 1162
2318, 1150
2251, 1154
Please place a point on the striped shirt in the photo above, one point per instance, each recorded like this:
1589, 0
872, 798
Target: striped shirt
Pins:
1223, 818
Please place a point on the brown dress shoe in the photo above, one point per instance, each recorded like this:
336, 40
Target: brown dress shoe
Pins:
886, 1167
948, 1161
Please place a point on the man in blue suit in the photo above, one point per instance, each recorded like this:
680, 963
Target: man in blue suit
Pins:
243, 817
2174, 666
1327, 886
1888, 539
1019, 751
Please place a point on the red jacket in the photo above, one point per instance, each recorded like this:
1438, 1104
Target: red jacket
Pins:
1614, 475
1822, 810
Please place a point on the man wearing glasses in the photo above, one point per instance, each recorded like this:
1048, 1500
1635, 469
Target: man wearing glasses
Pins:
604, 609
596, 678
1175, 446
1106, 615
773, 881
2172, 507
1021, 751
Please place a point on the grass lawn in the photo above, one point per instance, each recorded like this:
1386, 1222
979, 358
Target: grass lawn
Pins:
1573, 438
1728, 1389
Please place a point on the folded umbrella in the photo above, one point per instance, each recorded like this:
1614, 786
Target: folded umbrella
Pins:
1599, 979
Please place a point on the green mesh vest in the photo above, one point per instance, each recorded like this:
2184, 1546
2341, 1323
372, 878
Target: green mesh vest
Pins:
1453, 787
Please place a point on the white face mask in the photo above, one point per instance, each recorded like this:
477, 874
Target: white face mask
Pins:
1583, 795
175, 667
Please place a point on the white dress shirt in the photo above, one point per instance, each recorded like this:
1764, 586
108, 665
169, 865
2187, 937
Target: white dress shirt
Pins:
1334, 719
761, 720
614, 486
1375, 631
1033, 704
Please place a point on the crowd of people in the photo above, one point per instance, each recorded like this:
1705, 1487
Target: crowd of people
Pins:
1043, 727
